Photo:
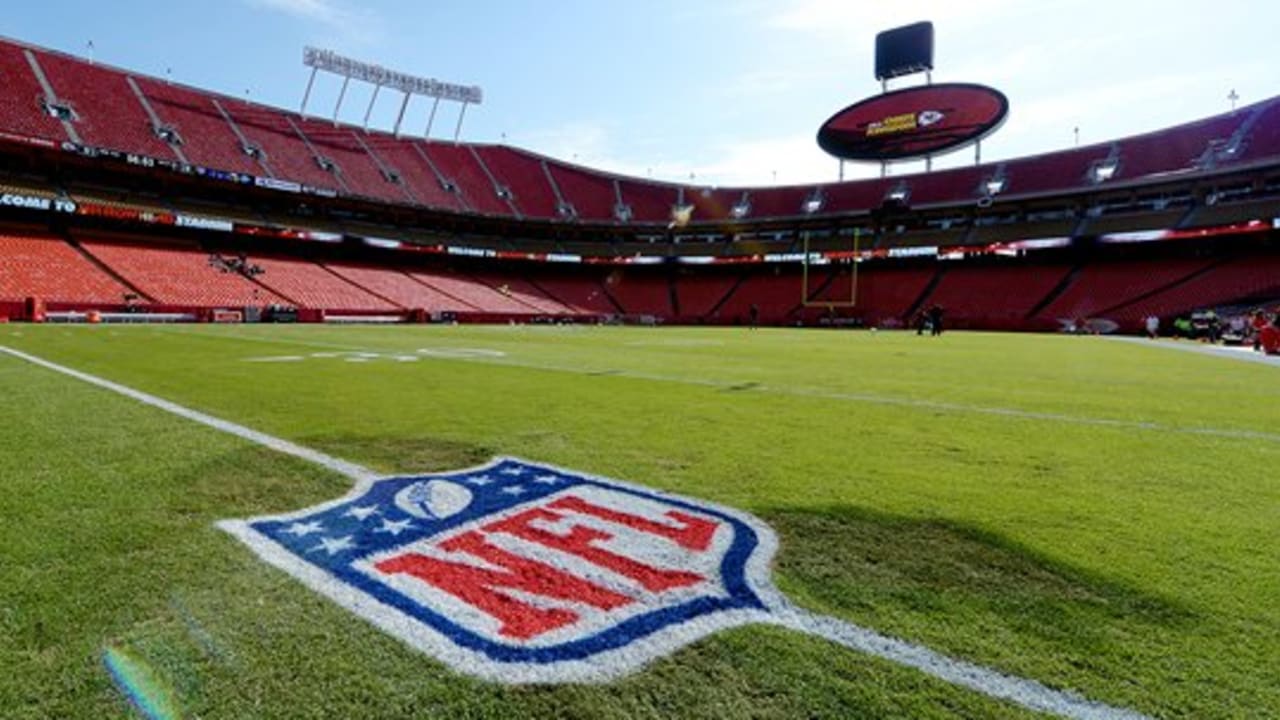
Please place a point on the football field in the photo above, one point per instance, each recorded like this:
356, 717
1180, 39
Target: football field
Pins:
1099, 517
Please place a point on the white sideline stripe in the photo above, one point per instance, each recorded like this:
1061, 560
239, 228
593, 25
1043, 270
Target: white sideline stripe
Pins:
1027, 693
1243, 355
867, 398
342, 467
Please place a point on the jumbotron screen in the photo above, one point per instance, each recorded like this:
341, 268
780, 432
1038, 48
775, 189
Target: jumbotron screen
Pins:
904, 50
915, 122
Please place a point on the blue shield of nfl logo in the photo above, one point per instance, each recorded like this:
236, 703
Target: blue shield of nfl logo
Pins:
521, 573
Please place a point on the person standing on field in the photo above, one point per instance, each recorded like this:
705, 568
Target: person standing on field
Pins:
1257, 325
1270, 337
935, 319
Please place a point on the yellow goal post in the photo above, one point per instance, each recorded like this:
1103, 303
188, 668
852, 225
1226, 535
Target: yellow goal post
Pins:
806, 291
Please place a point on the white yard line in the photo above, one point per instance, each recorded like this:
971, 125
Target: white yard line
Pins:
1027, 693
342, 467
800, 391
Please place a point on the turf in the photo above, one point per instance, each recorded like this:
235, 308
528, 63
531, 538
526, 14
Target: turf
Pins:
1097, 516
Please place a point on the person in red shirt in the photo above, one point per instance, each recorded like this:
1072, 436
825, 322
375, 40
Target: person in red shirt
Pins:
1270, 337
1258, 324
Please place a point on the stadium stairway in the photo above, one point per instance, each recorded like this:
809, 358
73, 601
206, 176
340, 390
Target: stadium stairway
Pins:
923, 296
24, 114
420, 176
715, 311
179, 275
359, 170
532, 192
994, 297
398, 288
109, 270
462, 169
522, 291
582, 294
207, 138
774, 293
591, 195
309, 285
1100, 289
109, 112
478, 295
698, 298
1067, 281
641, 294
284, 149
1223, 282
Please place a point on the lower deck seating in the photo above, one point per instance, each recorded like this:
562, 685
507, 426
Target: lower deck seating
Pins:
987, 293
1241, 278
995, 297
180, 276
880, 297
522, 291
479, 296
50, 269
699, 296
1101, 287
641, 294
884, 296
774, 292
306, 284
400, 288
581, 294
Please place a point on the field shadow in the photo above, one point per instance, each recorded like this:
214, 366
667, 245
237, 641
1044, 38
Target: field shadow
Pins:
955, 585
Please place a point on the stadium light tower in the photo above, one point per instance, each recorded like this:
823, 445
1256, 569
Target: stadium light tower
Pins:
348, 69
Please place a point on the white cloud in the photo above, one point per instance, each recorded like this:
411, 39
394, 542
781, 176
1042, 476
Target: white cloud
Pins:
843, 18
357, 25
790, 159
585, 141
322, 11
1060, 66
795, 158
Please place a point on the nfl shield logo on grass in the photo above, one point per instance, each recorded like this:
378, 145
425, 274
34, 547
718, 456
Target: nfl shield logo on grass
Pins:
519, 572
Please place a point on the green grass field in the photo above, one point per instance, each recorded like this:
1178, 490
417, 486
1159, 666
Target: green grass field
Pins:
1093, 515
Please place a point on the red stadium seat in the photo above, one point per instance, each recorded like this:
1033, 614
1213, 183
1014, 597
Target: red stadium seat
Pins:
640, 293
108, 112
180, 276
51, 269
344, 159
207, 137
308, 285
21, 111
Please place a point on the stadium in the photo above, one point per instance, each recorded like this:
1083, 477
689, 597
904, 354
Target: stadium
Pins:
313, 417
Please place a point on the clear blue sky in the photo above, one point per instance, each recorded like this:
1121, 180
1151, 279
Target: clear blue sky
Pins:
732, 91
